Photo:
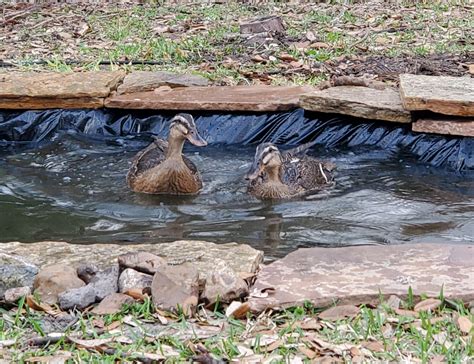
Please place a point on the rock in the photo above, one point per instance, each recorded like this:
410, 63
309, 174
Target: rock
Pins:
12, 295
131, 279
361, 102
141, 261
79, 298
223, 98
185, 275
268, 24
441, 94
448, 126
170, 296
223, 284
15, 272
356, 275
54, 279
139, 81
339, 312
32, 90
86, 272
202, 254
105, 282
112, 304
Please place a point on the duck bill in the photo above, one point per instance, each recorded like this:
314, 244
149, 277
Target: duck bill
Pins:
196, 139
254, 171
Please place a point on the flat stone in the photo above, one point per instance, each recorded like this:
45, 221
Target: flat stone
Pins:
184, 275
12, 295
449, 126
105, 282
54, 279
202, 254
355, 275
32, 90
131, 279
358, 101
224, 98
141, 261
79, 298
112, 304
140, 81
15, 271
441, 94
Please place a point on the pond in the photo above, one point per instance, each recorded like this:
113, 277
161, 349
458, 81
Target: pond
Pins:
74, 189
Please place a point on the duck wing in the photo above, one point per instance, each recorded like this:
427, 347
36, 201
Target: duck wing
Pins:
148, 158
192, 167
307, 173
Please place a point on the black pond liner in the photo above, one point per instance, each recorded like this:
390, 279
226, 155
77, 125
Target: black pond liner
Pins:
29, 129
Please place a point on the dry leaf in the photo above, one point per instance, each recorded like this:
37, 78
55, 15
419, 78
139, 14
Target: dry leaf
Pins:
112, 304
149, 356
408, 313
136, 293
310, 354
310, 36
91, 344
262, 293
31, 302
259, 59
6, 343
59, 358
287, 57
394, 302
429, 304
310, 324
339, 312
324, 345
263, 340
355, 351
296, 64
471, 69
464, 324
319, 45
237, 309
375, 346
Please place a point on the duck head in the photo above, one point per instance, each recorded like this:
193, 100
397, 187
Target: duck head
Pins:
183, 127
267, 158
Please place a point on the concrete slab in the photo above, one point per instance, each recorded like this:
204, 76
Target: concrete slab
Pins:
232, 98
358, 101
449, 126
360, 274
441, 94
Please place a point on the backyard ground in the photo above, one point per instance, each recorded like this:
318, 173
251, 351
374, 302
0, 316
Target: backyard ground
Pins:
374, 38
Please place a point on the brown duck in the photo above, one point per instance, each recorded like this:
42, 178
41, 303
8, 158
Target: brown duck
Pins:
276, 175
161, 167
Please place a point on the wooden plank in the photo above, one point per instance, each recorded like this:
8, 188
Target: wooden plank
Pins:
452, 126
358, 101
441, 94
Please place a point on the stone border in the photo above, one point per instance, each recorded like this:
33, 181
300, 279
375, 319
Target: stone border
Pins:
168, 91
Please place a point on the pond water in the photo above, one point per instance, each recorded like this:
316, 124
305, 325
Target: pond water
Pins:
75, 190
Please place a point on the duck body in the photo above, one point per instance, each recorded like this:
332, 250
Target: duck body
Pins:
289, 174
161, 168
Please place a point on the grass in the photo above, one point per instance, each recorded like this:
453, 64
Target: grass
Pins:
199, 38
374, 334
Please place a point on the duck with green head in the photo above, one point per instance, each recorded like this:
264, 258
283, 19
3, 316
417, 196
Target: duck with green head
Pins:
161, 168
277, 175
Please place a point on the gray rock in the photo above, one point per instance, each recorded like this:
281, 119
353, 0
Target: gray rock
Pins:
55, 279
185, 275
77, 298
223, 284
141, 261
105, 282
15, 272
130, 279
140, 81
87, 272
12, 295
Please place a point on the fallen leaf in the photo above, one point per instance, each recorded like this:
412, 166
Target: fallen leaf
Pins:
149, 356
382, 40
393, 302
375, 346
339, 312
310, 36
287, 57
319, 45
263, 340
50, 359
237, 309
438, 359
31, 302
7, 343
429, 304
136, 293
408, 313
310, 354
339, 349
262, 293
296, 64
471, 69
310, 324
244, 351
91, 344
259, 59
464, 324
161, 29
113, 326
355, 351
442, 339
112, 304
83, 29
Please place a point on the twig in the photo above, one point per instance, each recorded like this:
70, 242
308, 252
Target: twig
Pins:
54, 18
18, 15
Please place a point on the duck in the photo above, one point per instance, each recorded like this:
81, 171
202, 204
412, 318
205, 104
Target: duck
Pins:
284, 175
161, 168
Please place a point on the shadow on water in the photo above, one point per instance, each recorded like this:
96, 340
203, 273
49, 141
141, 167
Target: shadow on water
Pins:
71, 186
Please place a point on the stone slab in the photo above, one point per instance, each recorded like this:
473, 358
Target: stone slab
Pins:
355, 275
451, 126
240, 257
140, 81
358, 101
441, 94
30, 90
225, 98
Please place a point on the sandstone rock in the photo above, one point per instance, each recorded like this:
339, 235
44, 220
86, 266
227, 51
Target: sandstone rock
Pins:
105, 282
15, 272
202, 254
185, 275
268, 24
449, 126
141, 261
171, 297
441, 94
139, 81
355, 275
131, 279
112, 304
223, 284
79, 298
12, 295
54, 279
225, 98
86, 272
32, 90
361, 102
